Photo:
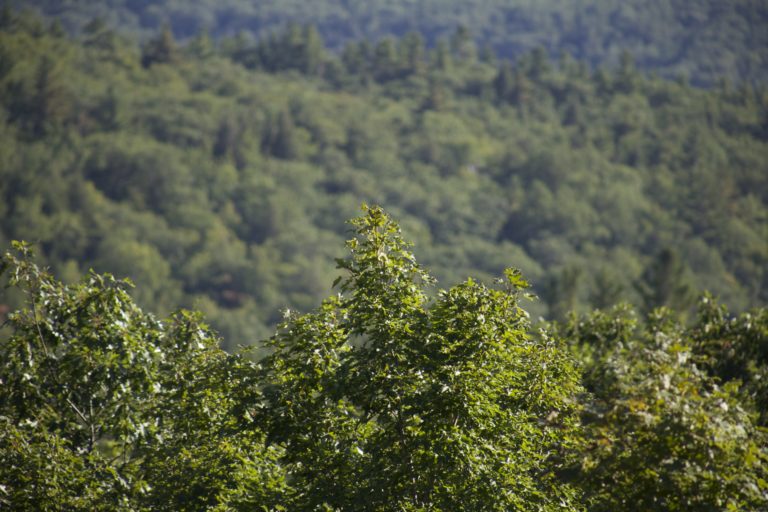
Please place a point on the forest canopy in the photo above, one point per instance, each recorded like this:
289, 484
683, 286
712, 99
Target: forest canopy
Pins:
216, 173
597, 167
705, 40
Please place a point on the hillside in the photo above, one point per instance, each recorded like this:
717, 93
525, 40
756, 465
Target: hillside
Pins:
219, 176
705, 40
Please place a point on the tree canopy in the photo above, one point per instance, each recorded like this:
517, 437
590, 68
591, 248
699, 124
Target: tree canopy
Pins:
382, 398
706, 40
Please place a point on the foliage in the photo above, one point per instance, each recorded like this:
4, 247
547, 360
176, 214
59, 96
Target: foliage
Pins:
386, 397
663, 434
705, 40
388, 401
216, 178
215, 171
735, 349
103, 407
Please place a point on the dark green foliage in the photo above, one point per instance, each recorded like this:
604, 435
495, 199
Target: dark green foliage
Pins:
160, 50
665, 283
704, 40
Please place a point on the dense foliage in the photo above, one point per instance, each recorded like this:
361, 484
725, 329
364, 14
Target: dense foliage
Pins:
104, 407
380, 399
214, 174
211, 158
388, 401
704, 39
662, 432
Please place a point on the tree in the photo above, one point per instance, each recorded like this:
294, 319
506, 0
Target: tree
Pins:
626, 76
662, 434
313, 50
665, 283
201, 46
462, 45
281, 140
49, 102
160, 50
103, 407
110, 112
735, 349
385, 400
385, 60
412, 53
504, 81
441, 56
561, 292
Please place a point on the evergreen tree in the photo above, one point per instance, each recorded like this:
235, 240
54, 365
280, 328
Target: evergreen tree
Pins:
412, 53
503, 84
160, 50
462, 45
665, 283
201, 46
313, 51
441, 56
49, 104
385, 61
282, 138
626, 76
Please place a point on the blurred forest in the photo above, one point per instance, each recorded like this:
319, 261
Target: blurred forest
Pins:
216, 169
705, 40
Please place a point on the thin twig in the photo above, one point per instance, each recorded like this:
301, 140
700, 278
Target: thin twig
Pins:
93, 425
39, 331
77, 410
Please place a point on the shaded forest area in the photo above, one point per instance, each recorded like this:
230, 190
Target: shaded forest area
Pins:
216, 176
704, 40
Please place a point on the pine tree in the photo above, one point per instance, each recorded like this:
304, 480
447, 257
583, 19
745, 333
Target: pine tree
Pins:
160, 50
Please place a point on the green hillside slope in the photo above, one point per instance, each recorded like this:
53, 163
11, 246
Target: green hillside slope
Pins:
220, 178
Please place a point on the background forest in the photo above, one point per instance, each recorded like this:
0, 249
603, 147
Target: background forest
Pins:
705, 40
217, 174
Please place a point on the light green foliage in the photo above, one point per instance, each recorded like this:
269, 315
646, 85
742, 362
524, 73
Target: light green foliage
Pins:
386, 397
385, 400
80, 361
103, 407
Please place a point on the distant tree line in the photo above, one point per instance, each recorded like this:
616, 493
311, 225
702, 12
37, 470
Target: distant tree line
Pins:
703, 40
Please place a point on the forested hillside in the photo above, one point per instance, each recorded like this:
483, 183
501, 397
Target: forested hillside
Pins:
706, 40
218, 176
